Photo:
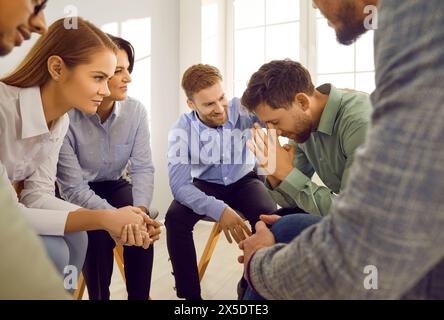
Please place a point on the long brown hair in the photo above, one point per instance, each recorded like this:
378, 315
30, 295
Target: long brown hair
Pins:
74, 46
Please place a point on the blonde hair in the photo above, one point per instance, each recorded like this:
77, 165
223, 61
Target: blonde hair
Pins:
74, 46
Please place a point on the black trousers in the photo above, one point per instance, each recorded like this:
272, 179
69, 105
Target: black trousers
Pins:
248, 196
98, 267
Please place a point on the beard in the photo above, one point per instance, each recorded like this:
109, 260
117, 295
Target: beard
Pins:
303, 130
302, 137
352, 27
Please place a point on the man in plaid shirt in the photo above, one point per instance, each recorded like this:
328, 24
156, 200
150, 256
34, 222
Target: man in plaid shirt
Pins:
389, 221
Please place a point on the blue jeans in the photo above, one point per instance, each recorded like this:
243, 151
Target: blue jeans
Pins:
69, 249
284, 231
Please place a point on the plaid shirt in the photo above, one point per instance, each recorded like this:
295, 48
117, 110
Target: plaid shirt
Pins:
391, 215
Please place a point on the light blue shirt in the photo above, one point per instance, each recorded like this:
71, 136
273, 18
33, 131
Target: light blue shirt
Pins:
216, 155
94, 152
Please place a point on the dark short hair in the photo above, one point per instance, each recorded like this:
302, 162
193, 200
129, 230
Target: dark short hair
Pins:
276, 84
127, 47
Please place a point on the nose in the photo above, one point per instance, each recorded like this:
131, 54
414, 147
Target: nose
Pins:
104, 90
127, 78
220, 107
37, 23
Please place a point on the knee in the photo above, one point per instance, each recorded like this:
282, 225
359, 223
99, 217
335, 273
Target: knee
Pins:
289, 227
58, 251
78, 245
176, 217
80, 241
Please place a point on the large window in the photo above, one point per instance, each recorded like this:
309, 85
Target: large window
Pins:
344, 66
258, 31
140, 88
262, 29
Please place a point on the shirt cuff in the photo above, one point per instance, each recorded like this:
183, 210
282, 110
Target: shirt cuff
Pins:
296, 180
215, 210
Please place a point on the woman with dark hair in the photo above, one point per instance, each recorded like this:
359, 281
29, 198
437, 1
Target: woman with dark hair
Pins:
95, 156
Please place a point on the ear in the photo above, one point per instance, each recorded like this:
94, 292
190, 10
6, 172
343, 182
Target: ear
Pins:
191, 104
56, 67
303, 101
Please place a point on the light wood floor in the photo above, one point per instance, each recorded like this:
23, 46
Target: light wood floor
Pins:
220, 280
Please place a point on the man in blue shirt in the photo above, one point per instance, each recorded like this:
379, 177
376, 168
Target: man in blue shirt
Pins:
211, 173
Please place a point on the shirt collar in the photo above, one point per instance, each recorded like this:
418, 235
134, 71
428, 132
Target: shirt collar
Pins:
117, 111
31, 112
331, 110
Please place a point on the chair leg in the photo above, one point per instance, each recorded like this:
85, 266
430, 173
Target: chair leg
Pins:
118, 255
78, 294
209, 249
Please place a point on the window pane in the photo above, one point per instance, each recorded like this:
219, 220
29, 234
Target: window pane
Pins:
364, 53
282, 42
365, 82
249, 13
140, 88
210, 51
138, 32
332, 57
249, 52
342, 81
239, 88
279, 11
210, 21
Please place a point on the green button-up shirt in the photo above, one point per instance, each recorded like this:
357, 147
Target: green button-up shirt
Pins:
329, 152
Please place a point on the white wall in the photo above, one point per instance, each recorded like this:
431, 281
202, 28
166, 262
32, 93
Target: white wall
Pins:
190, 41
165, 66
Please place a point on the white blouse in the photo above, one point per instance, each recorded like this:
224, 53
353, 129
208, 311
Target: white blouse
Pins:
29, 152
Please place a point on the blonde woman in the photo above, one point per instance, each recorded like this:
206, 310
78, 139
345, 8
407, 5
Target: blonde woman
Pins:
66, 68
95, 153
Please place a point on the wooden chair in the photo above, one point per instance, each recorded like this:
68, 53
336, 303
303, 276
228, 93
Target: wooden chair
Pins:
209, 249
210, 246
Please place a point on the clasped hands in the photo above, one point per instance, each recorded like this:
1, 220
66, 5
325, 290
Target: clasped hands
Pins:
275, 160
141, 232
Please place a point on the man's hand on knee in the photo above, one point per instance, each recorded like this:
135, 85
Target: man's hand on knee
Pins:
233, 226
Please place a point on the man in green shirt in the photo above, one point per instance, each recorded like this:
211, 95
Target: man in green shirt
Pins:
325, 126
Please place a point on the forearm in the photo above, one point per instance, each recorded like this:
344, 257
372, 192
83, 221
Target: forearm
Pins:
87, 220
